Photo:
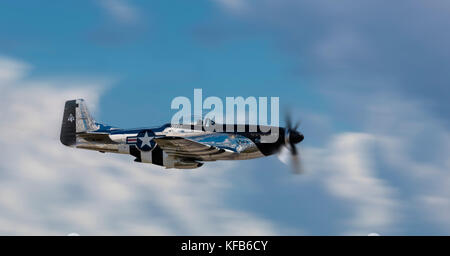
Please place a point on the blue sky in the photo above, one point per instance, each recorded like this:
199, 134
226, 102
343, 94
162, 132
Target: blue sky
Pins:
164, 53
368, 80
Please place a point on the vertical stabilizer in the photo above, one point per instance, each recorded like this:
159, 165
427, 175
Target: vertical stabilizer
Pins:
76, 119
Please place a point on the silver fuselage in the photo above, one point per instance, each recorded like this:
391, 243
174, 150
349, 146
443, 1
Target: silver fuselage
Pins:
236, 147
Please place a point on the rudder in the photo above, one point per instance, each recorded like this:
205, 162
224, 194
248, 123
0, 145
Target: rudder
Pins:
68, 127
76, 119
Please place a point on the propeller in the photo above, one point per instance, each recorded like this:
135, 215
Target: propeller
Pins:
293, 137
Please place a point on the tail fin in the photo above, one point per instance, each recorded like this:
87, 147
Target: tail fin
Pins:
76, 119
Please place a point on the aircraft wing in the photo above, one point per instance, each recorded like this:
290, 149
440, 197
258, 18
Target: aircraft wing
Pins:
188, 148
96, 137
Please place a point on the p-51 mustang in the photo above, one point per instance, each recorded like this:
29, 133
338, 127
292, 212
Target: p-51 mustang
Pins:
170, 145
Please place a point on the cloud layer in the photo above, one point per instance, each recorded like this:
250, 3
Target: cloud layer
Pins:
49, 189
383, 68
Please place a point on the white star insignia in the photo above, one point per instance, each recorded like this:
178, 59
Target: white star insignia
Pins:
145, 140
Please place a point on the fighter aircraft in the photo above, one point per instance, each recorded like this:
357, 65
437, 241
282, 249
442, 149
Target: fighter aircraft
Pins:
177, 146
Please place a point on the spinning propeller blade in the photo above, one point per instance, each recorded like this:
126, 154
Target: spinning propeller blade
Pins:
293, 137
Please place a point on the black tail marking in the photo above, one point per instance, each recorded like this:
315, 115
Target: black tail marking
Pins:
68, 127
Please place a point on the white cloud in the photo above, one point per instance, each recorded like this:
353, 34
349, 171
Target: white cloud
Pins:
121, 10
11, 69
415, 144
233, 5
346, 168
352, 176
401, 141
46, 188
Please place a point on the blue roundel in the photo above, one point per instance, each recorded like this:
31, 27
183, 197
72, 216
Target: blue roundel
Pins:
145, 140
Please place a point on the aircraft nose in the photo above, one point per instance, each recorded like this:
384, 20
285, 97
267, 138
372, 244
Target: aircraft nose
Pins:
296, 137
